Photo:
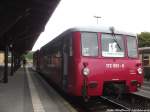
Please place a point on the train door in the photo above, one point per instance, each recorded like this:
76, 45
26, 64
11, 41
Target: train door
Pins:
66, 54
65, 62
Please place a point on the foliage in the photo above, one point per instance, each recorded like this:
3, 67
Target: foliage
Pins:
144, 39
29, 56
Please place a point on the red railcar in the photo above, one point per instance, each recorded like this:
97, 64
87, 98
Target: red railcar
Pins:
36, 60
84, 61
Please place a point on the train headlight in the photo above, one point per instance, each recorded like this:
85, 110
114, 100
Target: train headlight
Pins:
140, 71
86, 71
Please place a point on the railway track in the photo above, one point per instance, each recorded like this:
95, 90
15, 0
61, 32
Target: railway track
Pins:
131, 102
127, 103
95, 104
119, 105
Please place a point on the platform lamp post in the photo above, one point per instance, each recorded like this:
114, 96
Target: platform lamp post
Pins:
97, 18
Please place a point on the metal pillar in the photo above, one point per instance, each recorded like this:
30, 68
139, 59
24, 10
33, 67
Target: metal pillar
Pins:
5, 78
15, 63
12, 63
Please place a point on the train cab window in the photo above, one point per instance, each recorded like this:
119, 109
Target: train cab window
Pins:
89, 44
132, 47
112, 45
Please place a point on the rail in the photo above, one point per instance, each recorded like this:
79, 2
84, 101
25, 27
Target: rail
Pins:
119, 105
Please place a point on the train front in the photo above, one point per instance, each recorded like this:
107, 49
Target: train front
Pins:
109, 64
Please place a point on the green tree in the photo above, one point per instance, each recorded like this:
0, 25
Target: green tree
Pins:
29, 56
144, 39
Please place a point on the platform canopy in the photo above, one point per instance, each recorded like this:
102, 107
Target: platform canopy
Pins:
22, 21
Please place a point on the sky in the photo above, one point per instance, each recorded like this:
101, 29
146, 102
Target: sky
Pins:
127, 15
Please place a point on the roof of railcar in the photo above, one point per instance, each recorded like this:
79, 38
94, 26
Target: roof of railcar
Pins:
102, 29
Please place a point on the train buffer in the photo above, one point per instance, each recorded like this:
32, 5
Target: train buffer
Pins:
26, 91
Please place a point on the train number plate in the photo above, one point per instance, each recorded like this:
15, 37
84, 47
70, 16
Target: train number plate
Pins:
115, 65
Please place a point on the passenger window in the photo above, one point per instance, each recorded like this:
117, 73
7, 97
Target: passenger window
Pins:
89, 43
70, 47
58, 54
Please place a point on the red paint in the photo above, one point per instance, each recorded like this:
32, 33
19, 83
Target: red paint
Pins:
100, 70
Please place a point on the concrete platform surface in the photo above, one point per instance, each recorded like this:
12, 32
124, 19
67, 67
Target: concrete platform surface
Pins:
143, 93
144, 90
26, 91
146, 83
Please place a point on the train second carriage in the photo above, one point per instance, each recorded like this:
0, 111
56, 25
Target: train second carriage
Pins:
86, 61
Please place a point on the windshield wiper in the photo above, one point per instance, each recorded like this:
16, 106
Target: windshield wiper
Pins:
115, 40
112, 29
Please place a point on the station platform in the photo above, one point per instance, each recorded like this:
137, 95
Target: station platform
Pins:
144, 90
27, 91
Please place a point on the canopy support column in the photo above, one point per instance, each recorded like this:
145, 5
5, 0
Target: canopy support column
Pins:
5, 78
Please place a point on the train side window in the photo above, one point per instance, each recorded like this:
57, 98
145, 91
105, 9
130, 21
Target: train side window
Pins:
58, 54
57, 49
70, 47
89, 43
